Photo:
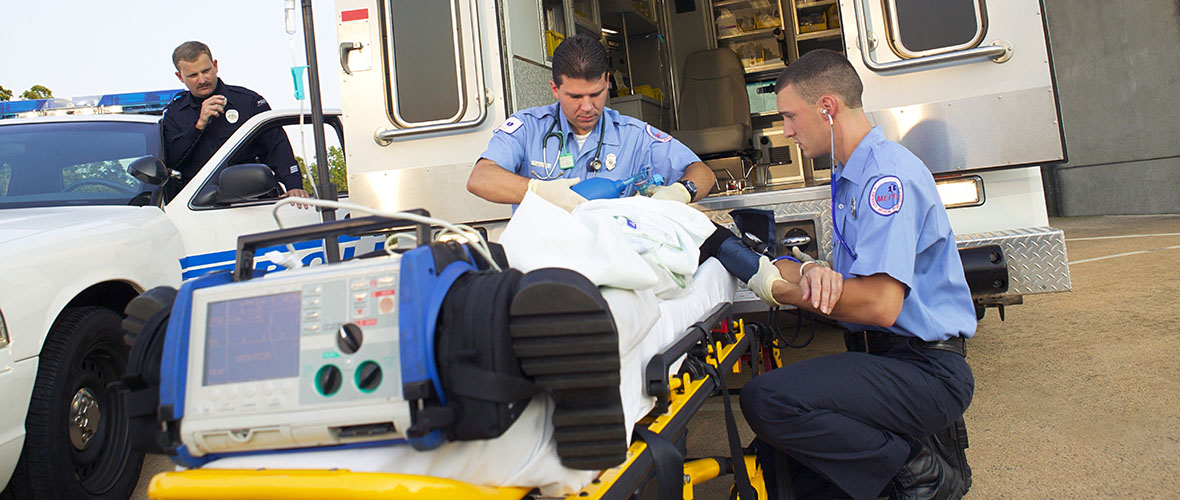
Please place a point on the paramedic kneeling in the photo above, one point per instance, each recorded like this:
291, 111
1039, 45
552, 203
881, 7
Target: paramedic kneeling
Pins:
860, 421
547, 149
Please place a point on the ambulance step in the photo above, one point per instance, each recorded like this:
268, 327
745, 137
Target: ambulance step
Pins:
566, 341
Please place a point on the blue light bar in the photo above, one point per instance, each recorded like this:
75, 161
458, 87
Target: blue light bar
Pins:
11, 109
138, 102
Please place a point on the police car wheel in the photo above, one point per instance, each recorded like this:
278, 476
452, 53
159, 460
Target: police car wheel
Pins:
76, 432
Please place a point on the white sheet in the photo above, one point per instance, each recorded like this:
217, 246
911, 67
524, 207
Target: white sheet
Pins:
526, 454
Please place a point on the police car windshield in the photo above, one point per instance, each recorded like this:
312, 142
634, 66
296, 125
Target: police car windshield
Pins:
73, 163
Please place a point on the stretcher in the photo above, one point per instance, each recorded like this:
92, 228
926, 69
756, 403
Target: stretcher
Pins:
715, 340
673, 356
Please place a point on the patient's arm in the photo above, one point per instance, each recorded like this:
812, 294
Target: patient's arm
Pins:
869, 300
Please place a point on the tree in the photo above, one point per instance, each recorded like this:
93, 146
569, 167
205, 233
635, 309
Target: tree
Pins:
5, 94
337, 173
37, 92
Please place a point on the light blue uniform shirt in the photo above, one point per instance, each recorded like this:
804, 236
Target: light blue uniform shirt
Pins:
889, 212
628, 145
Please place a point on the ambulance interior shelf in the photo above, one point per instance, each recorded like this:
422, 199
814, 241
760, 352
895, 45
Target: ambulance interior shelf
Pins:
753, 29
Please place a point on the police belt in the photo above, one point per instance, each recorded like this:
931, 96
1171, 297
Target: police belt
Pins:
874, 342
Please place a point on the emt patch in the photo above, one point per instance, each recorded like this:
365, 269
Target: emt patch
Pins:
510, 125
657, 135
885, 196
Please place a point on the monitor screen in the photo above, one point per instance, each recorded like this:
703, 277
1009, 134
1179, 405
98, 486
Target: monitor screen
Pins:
254, 338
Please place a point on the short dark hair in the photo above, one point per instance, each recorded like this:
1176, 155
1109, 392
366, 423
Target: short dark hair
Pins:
580, 56
190, 51
822, 72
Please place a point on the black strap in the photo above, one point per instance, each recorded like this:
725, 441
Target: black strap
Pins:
142, 402
668, 463
486, 385
737, 455
776, 471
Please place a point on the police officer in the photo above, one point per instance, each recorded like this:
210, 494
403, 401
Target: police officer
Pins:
199, 121
858, 423
547, 149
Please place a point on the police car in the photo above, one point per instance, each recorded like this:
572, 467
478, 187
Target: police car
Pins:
79, 238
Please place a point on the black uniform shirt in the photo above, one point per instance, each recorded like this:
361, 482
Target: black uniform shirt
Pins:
188, 149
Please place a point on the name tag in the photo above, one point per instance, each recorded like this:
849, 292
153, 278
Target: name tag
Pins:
565, 161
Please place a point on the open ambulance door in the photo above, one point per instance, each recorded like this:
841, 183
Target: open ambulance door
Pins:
964, 84
968, 86
422, 91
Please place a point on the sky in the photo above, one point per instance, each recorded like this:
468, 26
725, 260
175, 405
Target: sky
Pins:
87, 47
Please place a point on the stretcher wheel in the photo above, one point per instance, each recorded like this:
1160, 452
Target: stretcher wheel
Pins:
565, 337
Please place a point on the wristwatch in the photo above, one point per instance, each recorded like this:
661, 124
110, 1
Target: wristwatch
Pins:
691, 187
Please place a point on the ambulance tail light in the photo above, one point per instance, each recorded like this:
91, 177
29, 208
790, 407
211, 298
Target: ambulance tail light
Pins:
961, 191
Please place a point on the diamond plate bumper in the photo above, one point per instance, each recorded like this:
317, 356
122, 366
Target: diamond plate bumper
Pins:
1036, 258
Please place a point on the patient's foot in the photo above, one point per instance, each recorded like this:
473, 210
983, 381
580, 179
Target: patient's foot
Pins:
565, 337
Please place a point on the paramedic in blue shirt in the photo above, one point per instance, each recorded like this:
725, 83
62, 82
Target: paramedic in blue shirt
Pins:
547, 149
860, 421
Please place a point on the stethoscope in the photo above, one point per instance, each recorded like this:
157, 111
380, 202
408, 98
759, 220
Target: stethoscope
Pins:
832, 182
551, 171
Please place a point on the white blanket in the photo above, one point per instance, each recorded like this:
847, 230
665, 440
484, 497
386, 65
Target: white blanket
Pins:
591, 242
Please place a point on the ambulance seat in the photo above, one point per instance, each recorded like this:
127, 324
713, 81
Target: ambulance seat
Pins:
714, 107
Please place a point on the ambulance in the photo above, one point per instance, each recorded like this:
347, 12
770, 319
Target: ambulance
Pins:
967, 85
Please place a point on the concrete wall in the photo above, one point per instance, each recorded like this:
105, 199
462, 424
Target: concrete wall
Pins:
1118, 77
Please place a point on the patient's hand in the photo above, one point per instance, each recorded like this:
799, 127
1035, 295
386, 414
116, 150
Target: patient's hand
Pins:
821, 287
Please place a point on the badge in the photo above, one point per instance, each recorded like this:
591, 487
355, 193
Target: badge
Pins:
657, 135
565, 161
510, 125
610, 161
886, 195
231, 115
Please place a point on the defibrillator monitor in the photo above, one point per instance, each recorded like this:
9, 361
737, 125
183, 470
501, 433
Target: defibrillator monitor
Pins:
300, 358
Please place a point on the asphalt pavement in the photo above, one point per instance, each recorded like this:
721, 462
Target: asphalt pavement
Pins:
1077, 394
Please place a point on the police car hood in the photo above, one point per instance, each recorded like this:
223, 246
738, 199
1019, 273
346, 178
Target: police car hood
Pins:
16, 224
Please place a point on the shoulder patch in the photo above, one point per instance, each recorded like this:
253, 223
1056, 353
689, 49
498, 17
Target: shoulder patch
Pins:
886, 195
261, 102
656, 134
511, 125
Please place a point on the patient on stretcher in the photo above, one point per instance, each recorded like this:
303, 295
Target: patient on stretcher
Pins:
643, 285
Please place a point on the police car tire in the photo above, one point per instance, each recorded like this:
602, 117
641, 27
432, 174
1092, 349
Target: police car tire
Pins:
565, 338
83, 353
18, 485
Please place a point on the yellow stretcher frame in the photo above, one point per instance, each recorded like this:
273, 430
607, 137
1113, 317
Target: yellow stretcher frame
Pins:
684, 397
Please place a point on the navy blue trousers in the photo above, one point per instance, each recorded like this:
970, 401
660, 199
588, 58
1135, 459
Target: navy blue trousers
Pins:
846, 417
